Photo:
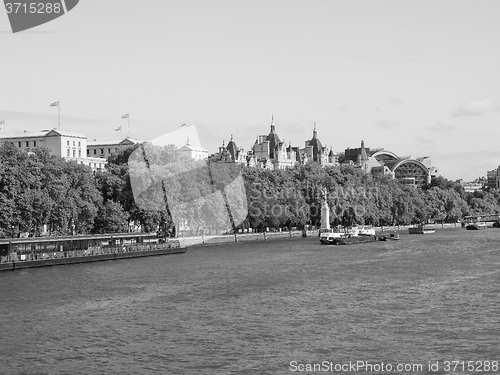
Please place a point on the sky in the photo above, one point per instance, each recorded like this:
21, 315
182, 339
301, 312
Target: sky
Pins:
418, 78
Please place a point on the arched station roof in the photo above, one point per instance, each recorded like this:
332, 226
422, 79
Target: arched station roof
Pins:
411, 168
383, 155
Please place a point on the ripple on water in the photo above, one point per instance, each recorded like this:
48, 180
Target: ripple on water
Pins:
253, 308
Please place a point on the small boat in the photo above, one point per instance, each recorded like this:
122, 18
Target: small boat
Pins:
365, 231
421, 229
388, 236
328, 236
350, 240
478, 225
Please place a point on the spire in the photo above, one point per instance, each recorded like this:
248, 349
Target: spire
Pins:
187, 142
314, 131
272, 124
363, 155
231, 137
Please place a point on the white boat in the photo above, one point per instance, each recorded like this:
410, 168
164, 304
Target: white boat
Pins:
330, 235
365, 231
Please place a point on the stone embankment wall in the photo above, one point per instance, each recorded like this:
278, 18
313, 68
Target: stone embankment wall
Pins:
266, 236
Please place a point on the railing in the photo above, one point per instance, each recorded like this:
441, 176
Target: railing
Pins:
91, 251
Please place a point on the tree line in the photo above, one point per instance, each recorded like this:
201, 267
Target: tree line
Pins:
41, 191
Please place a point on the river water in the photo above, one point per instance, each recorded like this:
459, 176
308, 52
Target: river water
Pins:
261, 308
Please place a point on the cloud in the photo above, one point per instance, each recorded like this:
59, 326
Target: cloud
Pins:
354, 108
476, 107
440, 127
396, 102
423, 140
388, 124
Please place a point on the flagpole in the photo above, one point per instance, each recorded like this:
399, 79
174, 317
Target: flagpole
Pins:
59, 115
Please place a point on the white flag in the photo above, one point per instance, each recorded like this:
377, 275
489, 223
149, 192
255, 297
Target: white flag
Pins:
55, 104
118, 129
125, 116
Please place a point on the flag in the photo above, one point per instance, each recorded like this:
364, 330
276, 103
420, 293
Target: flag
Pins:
118, 129
55, 104
125, 116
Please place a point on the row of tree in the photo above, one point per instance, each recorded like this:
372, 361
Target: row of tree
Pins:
161, 190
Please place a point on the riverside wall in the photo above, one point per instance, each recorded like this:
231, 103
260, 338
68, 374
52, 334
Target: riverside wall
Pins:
244, 237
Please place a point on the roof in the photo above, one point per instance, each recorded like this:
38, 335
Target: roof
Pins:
232, 148
43, 133
192, 148
126, 141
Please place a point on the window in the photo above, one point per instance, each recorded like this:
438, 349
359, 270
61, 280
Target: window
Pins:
19, 144
73, 143
109, 151
79, 145
88, 152
102, 151
67, 152
27, 144
67, 143
79, 153
74, 153
34, 143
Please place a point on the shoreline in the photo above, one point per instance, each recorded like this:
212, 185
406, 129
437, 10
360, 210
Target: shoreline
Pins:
181, 246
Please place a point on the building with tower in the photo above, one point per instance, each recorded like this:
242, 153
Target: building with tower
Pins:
314, 151
229, 154
270, 152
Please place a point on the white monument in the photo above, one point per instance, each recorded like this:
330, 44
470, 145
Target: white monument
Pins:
325, 211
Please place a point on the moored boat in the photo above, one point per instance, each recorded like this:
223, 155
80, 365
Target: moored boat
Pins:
387, 236
421, 229
350, 240
330, 235
478, 225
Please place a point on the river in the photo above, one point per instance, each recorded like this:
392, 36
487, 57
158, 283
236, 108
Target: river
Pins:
261, 308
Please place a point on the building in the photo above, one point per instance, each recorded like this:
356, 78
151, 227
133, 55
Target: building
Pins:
196, 153
414, 172
69, 145
470, 187
270, 152
493, 179
103, 149
230, 154
314, 151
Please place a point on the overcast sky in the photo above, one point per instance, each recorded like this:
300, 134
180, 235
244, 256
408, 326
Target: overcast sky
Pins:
419, 78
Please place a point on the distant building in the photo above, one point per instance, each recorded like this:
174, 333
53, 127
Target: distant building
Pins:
493, 179
103, 149
71, 146
229, 154
270, 152
314, 151
413, 172
470, 187
196, 153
